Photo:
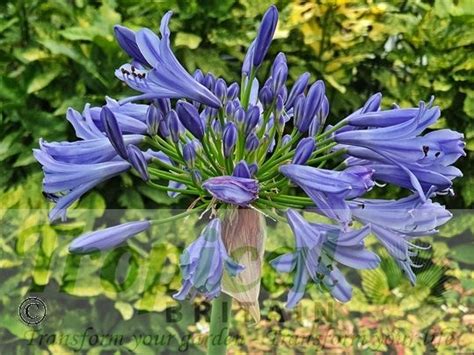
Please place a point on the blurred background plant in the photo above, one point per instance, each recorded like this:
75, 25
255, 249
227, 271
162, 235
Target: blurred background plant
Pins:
57, 53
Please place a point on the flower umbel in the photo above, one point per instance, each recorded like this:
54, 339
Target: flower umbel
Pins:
254, 147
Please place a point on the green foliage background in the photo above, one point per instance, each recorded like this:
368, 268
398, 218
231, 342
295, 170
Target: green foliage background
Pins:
57, 53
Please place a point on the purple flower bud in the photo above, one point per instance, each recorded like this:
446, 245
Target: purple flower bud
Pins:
252, 142
265, 35
153, 118
138, 161
279, 72
280, 59
229, 138
285, 140
189, 154
251, 119
265, 96
324, 112
303, 152
164, 105
229, 109
209, 81
283, 92
189, 117
239, 116
279, 104
107, 238
173, 124
197, 145
198, 76
112, 129
372, 104
298, 88
242, 170
232, 190
220, 89
312, 105
232, 91
253, 168
216, 127
318, 122
164, 127
196, 176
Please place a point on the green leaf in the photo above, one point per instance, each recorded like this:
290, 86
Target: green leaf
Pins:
463, 253
189, 40
44, 79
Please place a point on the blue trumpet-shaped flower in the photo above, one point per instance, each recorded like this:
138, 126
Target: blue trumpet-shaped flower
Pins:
86, 151
317, 247
330, 189
107, 238
395, 222
167, 78
64, 183
203, 262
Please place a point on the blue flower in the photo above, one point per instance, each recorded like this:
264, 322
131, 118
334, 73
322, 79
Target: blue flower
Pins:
107, 238
64, 183
401, 156
167, 78
317, 247
396, 222
203, 262
90, 151
329, 189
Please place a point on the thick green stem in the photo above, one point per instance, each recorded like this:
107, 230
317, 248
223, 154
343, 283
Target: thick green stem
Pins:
219, 327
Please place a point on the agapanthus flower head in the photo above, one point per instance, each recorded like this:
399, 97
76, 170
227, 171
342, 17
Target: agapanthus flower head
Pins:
253, 147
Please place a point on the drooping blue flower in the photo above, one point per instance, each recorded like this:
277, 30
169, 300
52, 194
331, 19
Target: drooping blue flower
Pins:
317, 247
86, 151
64, 183
107, 238
203, 262
167, 78
130, 117
395, 222
329, 189
234, 190
410, 159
